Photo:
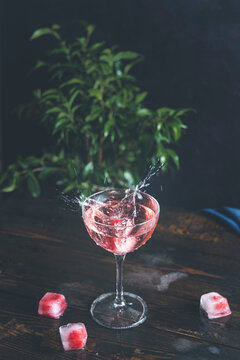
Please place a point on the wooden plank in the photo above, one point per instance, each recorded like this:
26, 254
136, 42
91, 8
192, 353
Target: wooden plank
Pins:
44, 248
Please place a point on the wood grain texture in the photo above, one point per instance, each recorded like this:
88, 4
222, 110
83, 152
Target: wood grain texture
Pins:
45, 247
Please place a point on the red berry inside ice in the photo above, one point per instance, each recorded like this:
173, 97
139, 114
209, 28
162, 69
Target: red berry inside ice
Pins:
73, 336
76, 339
52, 305
115, 222
221, 304
119, 227
215, 305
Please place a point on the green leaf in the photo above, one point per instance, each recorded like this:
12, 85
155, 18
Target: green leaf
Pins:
51, 94
165, 111
174, 157
140, 97
22, 163
88, 169
32, 161
54, 110
92, 68
147, 141
107, 51
125, 55
62, 154
107, 59
144, 112
176, 132
57, 51
55, 158
159, 137
37, 93
97, 46
107, 178
56, 27
44, 31
181, 112
72, 171
73, 98
70, 187
90, 29
95, 113
59, 124
129, 66
113, 136
71, 82
75, 108
109, 124
82, 41
118, 67
46, 172
62, 114
129, 178
10, 187
33, 184
40, 64
127, 78
96, 93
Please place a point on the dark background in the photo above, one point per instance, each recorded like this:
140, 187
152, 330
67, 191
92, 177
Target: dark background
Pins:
192, 53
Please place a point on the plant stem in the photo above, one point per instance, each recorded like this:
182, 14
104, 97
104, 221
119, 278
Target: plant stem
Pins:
119, 300
40, 169
100, 152
87, 146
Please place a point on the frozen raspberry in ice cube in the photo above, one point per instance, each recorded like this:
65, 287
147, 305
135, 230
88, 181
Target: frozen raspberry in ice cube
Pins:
214, 305
124, 245
115, 222
73, 336
52, 304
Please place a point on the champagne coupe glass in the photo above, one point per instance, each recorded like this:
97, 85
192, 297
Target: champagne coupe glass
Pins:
120, 221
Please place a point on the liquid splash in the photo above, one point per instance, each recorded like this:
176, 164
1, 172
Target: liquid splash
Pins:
74, 203
135, 192
153, 170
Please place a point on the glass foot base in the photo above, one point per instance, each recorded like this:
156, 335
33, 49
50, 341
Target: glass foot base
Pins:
105, 313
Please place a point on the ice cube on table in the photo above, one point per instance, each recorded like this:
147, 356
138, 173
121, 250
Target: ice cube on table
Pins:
73, 336
215, 305
53, 305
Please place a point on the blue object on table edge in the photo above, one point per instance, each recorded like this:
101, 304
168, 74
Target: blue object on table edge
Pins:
228, 215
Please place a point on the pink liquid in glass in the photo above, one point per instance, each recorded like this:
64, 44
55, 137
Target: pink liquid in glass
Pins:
119, 227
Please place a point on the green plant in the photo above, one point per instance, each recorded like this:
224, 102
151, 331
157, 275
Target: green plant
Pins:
103, 133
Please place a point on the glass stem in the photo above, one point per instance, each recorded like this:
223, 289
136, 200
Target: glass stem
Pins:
119, 300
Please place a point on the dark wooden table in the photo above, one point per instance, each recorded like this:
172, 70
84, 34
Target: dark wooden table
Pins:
45, 247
